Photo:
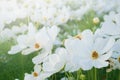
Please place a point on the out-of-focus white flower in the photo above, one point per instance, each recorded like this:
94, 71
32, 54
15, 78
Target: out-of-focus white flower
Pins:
51, 16
35, 40
10, 11
99, 6
78, 8
89, 52
19, 29
6, 34
1, 26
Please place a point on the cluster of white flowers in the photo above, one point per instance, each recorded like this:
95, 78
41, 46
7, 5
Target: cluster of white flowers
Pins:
37, 28
111, 28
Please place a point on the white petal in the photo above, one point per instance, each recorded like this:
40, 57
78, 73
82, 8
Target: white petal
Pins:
39, 58
31, 29
110, 28
28, 77
28, 51
68, 66
99, 44
53, 31
102, 45
62, 52
108, 45
22, 40
76, 47
86, 64
100, 64
87, 37
116, 46
37, 68
44, 75
42, 37
15, 49
105, 56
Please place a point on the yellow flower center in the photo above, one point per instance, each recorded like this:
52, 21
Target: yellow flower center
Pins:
63, 19
79, 36
35, 74
95, 55
37, 46
45, 18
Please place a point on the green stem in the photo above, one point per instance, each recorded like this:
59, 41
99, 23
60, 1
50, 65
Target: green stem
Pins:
91, 74
95, 71
107, 75
118, 75
78, 74
71, 75
52, 77
67, 75
88, 77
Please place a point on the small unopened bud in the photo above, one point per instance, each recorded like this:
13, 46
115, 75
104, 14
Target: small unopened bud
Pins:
96, 20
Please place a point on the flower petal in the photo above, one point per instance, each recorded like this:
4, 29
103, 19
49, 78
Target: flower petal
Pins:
15, 49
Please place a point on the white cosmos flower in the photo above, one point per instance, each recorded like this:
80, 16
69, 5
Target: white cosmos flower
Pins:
37, 74
34, 40
13, 32
56, 16
78, 8
52, 64
116, 55
4, 36
111, 25
51, 34
89, 52
19, 29
55, 62
10, 11
73, 49
99, 6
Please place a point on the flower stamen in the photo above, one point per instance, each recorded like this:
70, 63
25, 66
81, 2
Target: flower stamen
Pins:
94, 55
79, 36
35, 74
37, 46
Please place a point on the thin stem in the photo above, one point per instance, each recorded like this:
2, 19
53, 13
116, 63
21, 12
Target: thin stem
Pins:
95, 71
91, 73
118, 75
78, 75
67, 75
88, 75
